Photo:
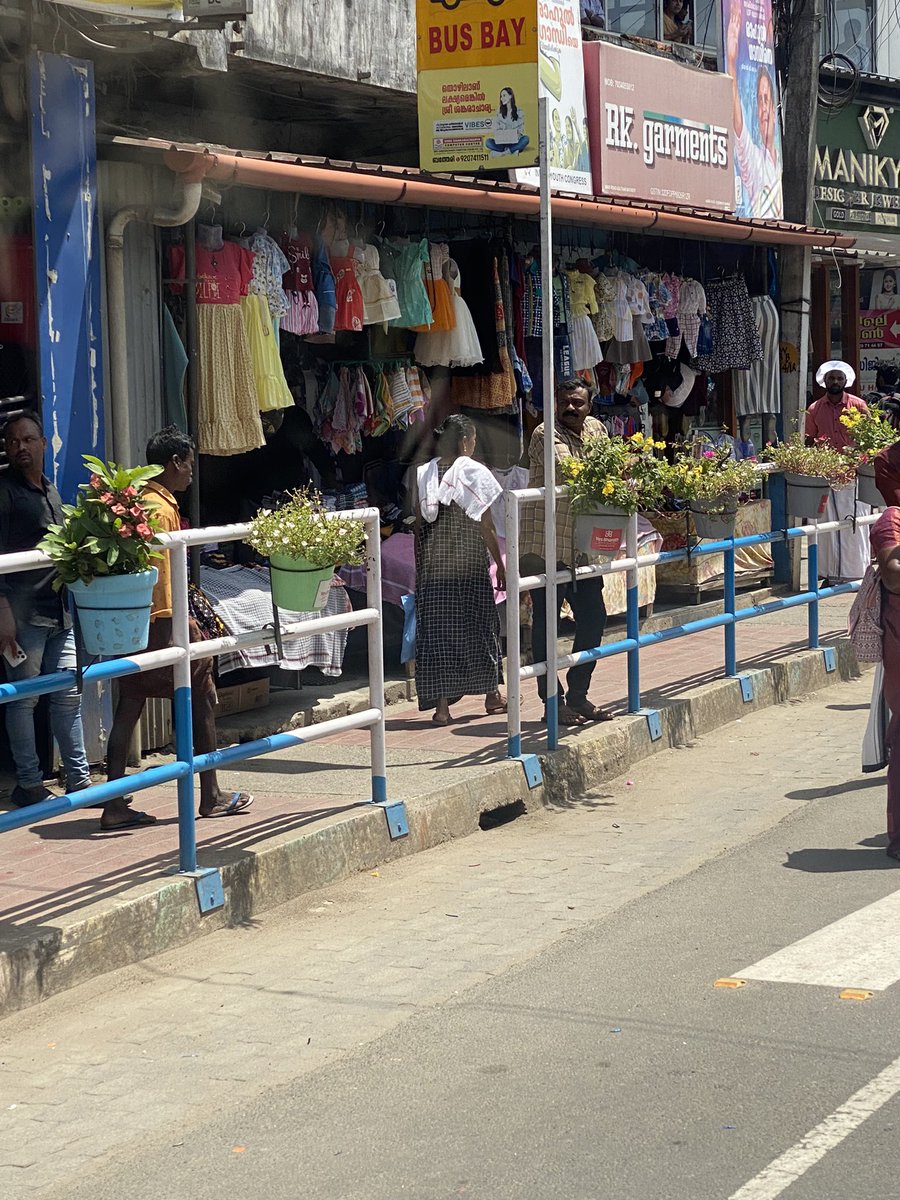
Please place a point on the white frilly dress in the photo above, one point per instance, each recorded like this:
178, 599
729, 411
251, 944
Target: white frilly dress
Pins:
457, 347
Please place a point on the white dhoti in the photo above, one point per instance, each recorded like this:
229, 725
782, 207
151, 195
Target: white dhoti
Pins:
844, 554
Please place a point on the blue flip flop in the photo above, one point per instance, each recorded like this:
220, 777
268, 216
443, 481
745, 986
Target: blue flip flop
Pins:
239, 802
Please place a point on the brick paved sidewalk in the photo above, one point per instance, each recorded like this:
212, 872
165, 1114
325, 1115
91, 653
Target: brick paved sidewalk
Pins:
56, 868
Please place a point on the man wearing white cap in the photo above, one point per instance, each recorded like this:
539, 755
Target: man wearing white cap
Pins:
842, 556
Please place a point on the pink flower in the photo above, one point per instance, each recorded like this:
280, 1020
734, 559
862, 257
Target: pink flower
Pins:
709, 454
145, 532
95, 481
125, 531
120, 510
137, 512
106, 497
130, 492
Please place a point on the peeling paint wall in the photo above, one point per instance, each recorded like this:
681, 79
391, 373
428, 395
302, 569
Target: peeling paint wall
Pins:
361, 40
67, 263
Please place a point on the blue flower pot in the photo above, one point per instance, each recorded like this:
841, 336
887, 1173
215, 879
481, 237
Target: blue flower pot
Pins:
114, 612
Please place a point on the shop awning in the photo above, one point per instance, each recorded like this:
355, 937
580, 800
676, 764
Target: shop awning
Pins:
371, 184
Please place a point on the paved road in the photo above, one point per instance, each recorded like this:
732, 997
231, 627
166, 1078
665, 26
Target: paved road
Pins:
523, 1015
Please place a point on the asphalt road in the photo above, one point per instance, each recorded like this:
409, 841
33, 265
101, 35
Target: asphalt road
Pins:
591, 1059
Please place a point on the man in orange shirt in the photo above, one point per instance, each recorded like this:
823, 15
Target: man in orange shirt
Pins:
844, 554
174, 452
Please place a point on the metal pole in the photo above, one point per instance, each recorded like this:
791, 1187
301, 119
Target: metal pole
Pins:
812, 584
730, 608
513, 633
193, 377
549, 375
632, 616
376, 659
182, 712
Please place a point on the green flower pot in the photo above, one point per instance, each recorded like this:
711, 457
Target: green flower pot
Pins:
297, 585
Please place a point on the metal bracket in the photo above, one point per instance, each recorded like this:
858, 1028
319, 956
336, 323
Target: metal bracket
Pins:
746, 682
210, 894
654, 722
531, 765
398, 824
830, 660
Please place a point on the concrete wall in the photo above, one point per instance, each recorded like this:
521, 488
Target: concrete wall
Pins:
371, 41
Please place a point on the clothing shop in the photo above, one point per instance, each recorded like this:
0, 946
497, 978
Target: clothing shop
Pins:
341, 313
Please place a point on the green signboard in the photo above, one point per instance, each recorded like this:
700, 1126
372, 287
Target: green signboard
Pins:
858, 169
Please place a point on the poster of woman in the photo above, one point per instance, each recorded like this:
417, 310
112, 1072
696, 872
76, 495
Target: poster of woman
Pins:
750, 61
885, 292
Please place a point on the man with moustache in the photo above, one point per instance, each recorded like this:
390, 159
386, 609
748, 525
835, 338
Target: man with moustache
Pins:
842, 556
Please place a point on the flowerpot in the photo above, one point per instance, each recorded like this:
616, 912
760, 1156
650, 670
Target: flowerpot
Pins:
718, 524
865, 486
114, 612
807, 495
599, 531
297, 585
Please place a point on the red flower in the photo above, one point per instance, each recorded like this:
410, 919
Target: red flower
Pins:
125, 531
145, 532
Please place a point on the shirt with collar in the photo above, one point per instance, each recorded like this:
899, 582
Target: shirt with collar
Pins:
823, 419
567, 444
27, 510
162, 505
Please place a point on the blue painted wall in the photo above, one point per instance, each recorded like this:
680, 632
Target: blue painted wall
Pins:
67, 263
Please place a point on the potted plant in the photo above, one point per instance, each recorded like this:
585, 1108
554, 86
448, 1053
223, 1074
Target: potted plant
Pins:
103, 552
871, 432
612, 479
711, 482
810, 472
304, 544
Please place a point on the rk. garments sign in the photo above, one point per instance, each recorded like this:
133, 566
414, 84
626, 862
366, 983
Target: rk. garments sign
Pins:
659, 131
477, 83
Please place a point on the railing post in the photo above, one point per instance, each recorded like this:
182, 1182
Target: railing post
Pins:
182, 710
549, 377
730, 608
812, 584
513, 631
632, 616
376, 658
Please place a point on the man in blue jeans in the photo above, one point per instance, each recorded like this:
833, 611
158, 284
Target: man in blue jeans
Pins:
34, 617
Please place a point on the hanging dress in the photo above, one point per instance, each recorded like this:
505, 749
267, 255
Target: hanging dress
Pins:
758, 390
456, 347
229, 418
345, 260
262, 308
442, 315
415, 307
302, 316
380, 304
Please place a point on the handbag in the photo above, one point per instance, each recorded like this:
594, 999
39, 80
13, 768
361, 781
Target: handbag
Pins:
864, 622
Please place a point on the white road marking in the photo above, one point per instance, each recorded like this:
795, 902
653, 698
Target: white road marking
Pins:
778, 1176
861, 950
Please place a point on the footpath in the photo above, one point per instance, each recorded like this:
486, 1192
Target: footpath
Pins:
76, 902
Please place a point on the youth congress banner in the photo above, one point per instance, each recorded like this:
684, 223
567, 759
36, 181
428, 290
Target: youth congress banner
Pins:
750, 61
477, 84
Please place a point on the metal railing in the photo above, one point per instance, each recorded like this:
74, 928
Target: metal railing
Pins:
187, 765
634, 641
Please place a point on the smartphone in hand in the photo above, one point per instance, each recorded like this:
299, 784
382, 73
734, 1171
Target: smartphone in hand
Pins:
14, 655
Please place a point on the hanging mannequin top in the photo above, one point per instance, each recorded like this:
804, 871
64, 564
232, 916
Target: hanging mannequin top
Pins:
224, 269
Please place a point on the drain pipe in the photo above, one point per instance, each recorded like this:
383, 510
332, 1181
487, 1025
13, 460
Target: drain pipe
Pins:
191, 190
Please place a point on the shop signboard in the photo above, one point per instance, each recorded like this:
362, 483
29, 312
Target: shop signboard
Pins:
659, 131
858, 169
562, 83
879, 324
477, 64
750, 64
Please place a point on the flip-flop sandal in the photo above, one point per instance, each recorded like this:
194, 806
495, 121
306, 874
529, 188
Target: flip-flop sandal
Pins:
569, 717
136, 820
592, 712
496, 708
238, 803
442, 720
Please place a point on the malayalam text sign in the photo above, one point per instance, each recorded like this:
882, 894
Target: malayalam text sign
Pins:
477, 84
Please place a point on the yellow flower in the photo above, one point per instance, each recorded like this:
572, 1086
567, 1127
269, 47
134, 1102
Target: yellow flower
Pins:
575, 469
637, 438
608, 488
659, 445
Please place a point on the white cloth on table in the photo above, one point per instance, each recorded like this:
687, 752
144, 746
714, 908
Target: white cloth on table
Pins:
844, 554
466, 482
242, 598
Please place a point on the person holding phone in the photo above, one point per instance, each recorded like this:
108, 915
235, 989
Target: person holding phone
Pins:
36, 635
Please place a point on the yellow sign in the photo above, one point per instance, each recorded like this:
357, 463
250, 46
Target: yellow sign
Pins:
477, 83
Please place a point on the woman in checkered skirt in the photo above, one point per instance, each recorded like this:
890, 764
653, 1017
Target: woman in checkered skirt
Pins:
457, 628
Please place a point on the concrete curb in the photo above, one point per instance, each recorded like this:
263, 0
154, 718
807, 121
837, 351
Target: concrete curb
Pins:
37, 962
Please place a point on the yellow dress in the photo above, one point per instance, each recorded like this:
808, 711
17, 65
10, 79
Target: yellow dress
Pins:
272, 391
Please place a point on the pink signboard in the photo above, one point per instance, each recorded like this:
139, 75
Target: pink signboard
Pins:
659, 130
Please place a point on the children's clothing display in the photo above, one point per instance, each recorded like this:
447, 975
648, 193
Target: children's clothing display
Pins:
325, 288
269, 266
415, 307
456, 347
345, 259
272, 391
302, 316
229, 417
692, 303
380, 304
439, 298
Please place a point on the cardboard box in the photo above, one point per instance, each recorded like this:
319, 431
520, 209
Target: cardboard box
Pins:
242, 697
